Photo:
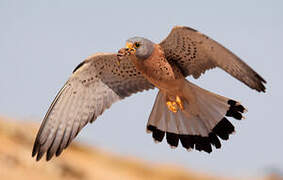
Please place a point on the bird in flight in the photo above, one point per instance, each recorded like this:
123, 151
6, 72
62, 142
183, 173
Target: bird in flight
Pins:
183, 113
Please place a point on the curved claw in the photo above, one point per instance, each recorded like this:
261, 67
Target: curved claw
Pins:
174, 106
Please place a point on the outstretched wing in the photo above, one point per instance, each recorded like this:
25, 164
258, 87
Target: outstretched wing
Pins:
95, 84
195, 53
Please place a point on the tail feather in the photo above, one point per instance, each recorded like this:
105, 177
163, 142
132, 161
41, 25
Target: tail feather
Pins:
199, 124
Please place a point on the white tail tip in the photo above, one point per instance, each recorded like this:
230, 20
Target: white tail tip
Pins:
156, 142
189, 149
148, 131
173, 147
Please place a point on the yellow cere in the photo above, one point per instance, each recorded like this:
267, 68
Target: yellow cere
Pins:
129, 45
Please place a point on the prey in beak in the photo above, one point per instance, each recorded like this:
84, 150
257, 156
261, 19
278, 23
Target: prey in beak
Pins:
127, 51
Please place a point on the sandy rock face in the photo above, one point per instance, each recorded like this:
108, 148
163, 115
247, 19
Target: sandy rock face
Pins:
78, 162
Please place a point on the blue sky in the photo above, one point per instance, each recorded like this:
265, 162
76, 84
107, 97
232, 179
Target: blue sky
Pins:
42, 41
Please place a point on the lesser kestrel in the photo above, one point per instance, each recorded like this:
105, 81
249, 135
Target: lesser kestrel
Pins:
182, 111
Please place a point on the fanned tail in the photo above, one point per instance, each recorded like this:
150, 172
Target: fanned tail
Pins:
199, 124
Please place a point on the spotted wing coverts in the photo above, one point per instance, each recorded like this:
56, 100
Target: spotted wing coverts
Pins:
94, 85
195, 53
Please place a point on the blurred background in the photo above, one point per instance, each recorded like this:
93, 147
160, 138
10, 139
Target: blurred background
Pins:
41, 42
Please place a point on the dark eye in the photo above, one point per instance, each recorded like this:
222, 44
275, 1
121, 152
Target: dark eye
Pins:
137, 44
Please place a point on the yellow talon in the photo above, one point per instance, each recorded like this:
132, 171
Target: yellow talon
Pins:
172, 106
179, 102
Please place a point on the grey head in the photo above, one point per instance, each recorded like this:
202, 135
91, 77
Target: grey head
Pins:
143, 47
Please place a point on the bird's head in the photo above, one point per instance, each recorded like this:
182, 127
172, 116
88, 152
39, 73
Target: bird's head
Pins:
137, 47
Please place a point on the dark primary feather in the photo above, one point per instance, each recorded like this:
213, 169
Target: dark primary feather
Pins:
94, 85
195, 53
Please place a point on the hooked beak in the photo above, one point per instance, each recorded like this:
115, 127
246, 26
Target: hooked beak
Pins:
130, 47
128, 50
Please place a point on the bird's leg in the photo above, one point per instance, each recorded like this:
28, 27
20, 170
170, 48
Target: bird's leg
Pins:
174, 106
179, 102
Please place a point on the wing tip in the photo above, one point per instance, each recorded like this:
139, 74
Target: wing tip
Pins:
49, 156
38, 154
34, 149
260, 86
263, 89
37, 151
260, 83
